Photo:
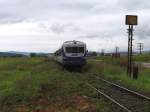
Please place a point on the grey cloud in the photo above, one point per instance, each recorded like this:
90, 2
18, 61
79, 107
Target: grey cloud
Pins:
11, 20
134, 4
90, 36
61, 28
100, 35
57, 28
81, 6
84, 19
143, 31
37, 9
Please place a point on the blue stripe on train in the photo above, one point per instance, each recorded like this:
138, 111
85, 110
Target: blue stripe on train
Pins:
74, 61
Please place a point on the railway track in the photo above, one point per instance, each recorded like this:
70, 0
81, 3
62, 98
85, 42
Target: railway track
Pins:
127, 100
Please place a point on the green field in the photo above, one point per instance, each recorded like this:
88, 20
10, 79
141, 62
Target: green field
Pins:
33, 84
115, 69
137, 58
142, 58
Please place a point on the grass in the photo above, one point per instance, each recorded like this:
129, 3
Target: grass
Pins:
143, 58
141, 84
40, 83
137, 58
115, 69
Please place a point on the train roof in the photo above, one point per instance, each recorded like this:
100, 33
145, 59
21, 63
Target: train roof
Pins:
73, 42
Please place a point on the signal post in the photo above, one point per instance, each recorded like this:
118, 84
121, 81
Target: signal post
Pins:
131, 20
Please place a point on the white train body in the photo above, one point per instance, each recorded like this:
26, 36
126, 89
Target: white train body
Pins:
72, 53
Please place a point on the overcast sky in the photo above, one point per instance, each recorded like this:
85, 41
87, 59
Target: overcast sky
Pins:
43, 25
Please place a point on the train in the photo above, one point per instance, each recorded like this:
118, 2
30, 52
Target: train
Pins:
72, 53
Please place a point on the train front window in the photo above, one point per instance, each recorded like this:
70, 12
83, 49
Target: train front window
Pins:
68, 49
75, 49
81, 49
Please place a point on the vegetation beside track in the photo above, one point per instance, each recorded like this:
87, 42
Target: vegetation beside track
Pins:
33, 84
115, 69
137, 58
39, 84
142, 58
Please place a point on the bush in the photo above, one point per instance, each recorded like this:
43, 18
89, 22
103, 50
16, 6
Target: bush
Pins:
32, 54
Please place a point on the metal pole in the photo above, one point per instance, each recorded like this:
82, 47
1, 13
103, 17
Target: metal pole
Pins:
128, 67
130, 20
128, 50
131, 53
130, 38
140, 48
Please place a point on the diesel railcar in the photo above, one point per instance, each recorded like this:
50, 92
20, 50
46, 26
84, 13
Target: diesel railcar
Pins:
72, 53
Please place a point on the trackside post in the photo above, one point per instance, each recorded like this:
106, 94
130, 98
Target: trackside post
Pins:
131, 20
